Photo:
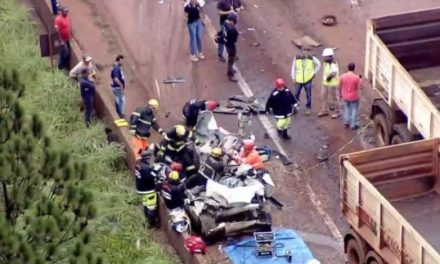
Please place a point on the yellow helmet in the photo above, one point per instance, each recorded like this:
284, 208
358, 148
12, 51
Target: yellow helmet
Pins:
216, 152
153, 103
180, 130
174, 176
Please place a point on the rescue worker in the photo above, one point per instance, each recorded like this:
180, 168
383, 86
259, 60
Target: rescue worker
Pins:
213, 168
192, 109
249, 155
172, 191
280, 102
304, 69
141, 121
146, 180
330, 85
174, 145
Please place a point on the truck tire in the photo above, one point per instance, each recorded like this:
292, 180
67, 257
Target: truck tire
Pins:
373, 258
354, 252
381, 130
401, 134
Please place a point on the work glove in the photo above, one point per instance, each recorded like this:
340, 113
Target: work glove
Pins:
132, 132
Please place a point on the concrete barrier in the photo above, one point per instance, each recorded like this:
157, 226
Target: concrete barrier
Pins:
104, 107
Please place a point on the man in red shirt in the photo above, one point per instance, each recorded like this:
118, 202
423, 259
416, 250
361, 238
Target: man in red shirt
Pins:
63, 26
349, 86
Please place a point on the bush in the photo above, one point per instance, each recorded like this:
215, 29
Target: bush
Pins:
118, 230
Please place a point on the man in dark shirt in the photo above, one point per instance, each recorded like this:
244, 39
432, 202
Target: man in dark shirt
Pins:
224, 8
87, 88
231, 35
118, 86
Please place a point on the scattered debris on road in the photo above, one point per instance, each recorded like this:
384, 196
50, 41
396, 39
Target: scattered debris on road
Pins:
329, 20
305, 41
171, 80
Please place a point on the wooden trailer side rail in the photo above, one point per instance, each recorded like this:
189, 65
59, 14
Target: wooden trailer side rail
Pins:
397, 87
373, 217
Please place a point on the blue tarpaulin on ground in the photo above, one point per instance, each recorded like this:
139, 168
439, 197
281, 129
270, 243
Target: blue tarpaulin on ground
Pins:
243, 252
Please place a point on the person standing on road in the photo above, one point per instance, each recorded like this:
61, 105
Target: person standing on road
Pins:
195, 28
349, 86
141, 122
146, 184
87, 89
64, 27
330, 85
281, 102
224, 8
118, 85
304, 69
231, 37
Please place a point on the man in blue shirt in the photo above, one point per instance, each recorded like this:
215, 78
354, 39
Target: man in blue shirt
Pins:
118, 86
87, 88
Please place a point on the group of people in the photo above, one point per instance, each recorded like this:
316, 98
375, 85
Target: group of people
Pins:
226, 37
174, 149
305, 67
335, 88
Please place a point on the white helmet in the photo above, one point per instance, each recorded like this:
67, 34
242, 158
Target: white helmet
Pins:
314, 261
179, 220
328, 52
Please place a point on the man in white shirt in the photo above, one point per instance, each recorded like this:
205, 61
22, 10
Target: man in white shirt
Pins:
87, 62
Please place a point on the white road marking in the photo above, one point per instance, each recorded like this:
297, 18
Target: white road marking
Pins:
157, 88
274, 135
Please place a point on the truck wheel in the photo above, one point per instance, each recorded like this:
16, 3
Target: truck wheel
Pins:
373, 258
354, 252
381, 130
401, 135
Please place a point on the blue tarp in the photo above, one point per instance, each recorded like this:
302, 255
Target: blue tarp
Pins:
243, 252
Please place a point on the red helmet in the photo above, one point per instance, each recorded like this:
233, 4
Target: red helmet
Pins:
279, 83
248, 145
211, 105
175, 166
195, 244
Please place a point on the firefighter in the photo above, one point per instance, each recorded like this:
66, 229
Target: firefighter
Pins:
282, 103
192, 109
146, 180
174, 145
141, 121
213, 168
249, 155
173, 193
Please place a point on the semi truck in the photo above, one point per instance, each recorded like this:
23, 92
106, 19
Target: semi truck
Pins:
390, 199
402, 63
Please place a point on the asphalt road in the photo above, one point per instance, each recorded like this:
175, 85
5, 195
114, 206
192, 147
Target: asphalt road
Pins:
153, 36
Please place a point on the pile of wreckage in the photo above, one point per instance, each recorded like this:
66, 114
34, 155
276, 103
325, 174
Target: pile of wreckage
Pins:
238, 202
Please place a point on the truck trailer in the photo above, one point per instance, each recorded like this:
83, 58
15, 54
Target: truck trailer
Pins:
402, 63
390, 199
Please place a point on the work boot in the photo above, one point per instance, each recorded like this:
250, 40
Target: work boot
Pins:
194, 58
200, 56
221, 58
322, 113
308, 111
286, 135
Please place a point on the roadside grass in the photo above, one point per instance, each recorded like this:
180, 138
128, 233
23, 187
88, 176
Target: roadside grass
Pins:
119, 231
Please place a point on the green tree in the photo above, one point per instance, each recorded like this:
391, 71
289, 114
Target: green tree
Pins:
44, 207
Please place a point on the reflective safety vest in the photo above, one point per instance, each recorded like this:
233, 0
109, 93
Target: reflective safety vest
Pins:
327, 69
304, 70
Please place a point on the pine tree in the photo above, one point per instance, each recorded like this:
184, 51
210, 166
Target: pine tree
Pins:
44, 207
